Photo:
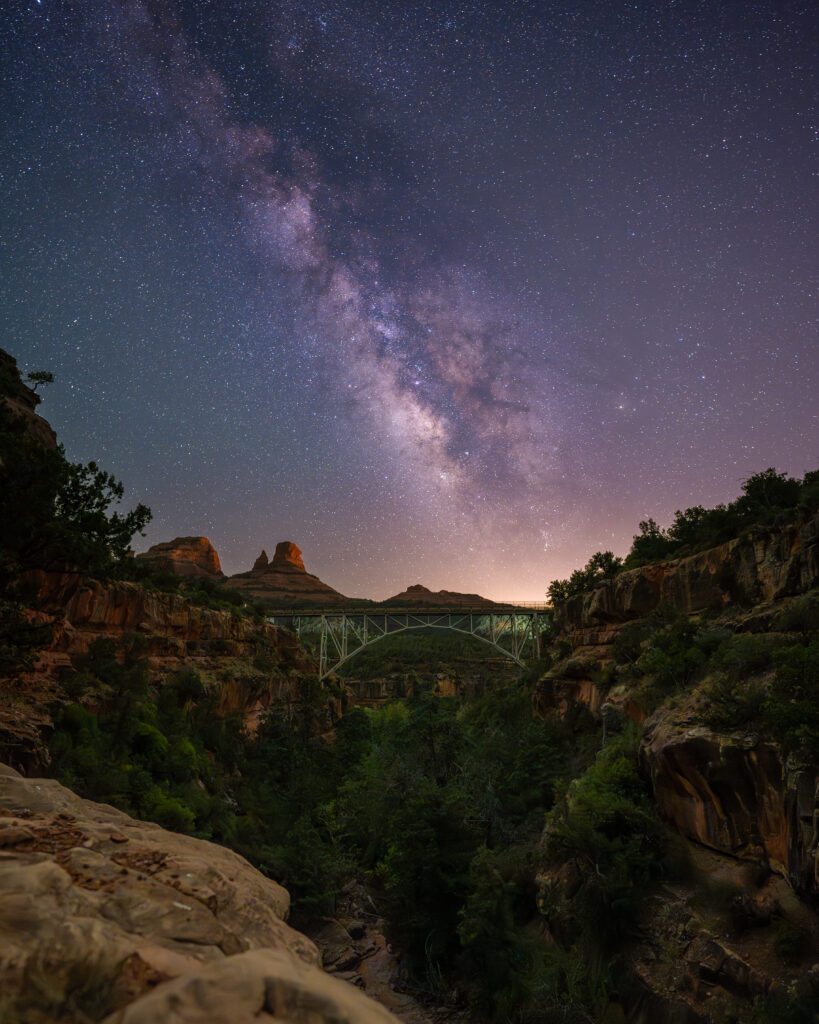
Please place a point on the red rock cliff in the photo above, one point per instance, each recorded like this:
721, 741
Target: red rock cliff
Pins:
185, 556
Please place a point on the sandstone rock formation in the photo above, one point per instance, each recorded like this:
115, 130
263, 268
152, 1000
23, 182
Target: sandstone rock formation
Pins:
762, 566
286, 555
735, 794
185, 556
420, 595
172, 631
106, 917
285, 581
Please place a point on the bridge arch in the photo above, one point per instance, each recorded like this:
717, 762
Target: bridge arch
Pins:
514, 633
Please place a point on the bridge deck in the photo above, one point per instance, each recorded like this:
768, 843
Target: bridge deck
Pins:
291, 613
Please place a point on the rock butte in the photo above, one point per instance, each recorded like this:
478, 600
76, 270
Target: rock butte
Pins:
285, 580
185, 556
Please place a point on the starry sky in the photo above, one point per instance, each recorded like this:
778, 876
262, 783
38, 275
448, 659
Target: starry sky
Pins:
444, 292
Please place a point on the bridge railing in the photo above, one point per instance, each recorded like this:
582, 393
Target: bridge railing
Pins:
499, 608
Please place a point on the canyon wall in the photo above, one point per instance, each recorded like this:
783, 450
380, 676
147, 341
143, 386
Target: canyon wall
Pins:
761, 567
735, 793
251, 663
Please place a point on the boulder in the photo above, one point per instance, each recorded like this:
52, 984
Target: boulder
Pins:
104, 916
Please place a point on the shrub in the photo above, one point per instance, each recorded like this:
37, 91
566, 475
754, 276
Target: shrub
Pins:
792, 710
608, 824
790, 942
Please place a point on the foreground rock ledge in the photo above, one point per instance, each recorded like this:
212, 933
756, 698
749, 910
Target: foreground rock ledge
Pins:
106, 918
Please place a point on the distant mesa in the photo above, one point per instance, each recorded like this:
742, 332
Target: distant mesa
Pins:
193, 557
284, 580
420, 595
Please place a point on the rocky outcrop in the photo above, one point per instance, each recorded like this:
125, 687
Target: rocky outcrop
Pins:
22, 401
285, 582
287, 555
734, 793
252, 664
419, 595
103, 917
185, 556
762, 566
354, 947
173, 627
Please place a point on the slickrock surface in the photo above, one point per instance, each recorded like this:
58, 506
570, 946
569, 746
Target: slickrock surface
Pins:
185, 556
103, 917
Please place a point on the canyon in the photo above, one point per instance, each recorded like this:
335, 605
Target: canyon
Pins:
105, 917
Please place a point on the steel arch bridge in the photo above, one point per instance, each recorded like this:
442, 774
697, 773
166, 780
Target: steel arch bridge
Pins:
513, 632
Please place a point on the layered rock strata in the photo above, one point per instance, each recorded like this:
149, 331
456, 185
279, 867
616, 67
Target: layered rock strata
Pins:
171, 631
762, 566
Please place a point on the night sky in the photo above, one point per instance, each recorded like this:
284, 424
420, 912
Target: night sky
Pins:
450, 293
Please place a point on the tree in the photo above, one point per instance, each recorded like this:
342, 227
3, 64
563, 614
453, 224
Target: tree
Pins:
38, 377
767, 492
606, 564
650, 545
56, 513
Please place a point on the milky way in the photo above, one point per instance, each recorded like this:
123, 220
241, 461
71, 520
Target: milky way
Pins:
444, 292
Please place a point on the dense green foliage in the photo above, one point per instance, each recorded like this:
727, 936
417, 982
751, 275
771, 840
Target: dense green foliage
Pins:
438, 803
760, 681
161, 753
55, 513
767, 498
607, 827
425, 651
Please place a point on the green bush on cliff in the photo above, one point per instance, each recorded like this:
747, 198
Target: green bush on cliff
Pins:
608, 825
55, 513
144, 749
792, 710
767, 498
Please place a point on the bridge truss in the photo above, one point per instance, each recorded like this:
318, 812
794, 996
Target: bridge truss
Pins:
514, 633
